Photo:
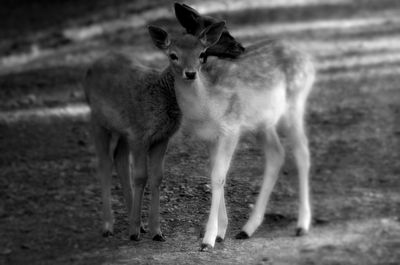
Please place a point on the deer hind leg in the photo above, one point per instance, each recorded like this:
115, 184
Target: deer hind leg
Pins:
121, 161
299, 142
102, 139
139, 179
274, 157
122, 165
156, 166
221, 156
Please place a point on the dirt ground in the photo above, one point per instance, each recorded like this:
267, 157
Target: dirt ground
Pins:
49, 195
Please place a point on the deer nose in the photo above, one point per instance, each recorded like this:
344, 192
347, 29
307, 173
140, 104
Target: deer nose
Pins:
190, 75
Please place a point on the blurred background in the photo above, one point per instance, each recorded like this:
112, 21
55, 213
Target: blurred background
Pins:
49, 196
46, 45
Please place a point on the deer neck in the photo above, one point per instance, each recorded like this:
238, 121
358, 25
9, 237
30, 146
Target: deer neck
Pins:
192, 98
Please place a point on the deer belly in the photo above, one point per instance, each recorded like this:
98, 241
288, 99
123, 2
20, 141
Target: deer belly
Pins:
268, 118
208, 129
266, 108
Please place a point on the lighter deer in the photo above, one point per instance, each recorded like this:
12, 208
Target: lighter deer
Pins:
265, 87
134, 112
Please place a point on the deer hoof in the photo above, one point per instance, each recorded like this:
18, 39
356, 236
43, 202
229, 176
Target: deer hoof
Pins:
135, 237
107, 233
205, 247
142, 230
242, 235
300, 231
159, 237
219, 239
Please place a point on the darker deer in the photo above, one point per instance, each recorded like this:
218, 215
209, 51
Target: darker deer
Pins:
134, 113
263, 88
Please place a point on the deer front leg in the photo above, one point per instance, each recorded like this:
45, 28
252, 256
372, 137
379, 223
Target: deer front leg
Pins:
156, 162
139, 179
222, 219
222, 215
221, 156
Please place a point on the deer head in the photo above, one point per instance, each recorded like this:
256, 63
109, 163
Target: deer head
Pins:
187, 53
194, 23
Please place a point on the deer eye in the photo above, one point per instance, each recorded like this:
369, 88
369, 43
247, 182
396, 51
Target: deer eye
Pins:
203, 57
173, 57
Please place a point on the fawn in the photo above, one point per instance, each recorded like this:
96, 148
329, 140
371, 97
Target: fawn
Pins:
266, 86
134, 112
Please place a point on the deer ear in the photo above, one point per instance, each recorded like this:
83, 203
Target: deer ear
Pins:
187, 17
210, 35
160, 37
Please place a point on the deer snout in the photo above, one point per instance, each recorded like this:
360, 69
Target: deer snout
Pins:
190, 75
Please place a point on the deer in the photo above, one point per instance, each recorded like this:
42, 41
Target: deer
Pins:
263, 88
134, 114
